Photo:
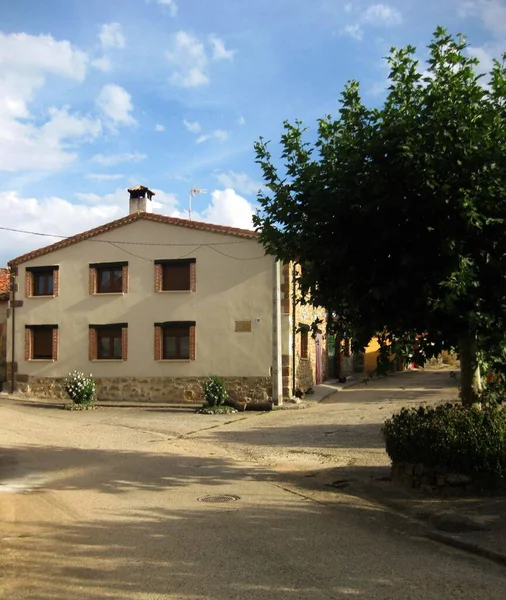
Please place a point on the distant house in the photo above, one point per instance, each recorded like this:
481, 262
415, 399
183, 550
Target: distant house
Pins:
152, 305
4, 302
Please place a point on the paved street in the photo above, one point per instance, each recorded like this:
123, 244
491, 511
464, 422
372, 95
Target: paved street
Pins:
105, 504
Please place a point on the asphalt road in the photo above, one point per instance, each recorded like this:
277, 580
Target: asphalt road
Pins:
105, 504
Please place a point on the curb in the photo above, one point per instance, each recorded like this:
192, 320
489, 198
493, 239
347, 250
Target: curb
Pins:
436, 536
467, 547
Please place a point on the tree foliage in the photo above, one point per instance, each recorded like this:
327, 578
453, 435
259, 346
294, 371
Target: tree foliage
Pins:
397, 214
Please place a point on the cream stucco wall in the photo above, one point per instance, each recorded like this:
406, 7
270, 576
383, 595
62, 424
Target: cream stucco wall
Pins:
227, 290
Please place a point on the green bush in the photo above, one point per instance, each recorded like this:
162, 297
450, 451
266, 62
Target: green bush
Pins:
468, 441
214, 391
80, 389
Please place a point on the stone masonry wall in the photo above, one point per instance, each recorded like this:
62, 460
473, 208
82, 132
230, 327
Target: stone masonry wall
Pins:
170, 390
305, 368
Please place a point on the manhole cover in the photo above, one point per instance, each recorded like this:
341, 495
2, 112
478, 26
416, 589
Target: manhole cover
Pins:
217, 499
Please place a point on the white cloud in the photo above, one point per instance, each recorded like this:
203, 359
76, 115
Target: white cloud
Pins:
491, 12
116, 103
165, 201
31, 55
189, 58
239, 181
104, 176
171, 5
228, 208
241, 120
111, 36
218, 134
382, 15
61, 217
348, 8
192, 126
102, 64
25, 145
159, 127
109, 160
49, 215
354, 31
218, 49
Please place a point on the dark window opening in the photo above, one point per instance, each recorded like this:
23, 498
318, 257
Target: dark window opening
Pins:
304, 339
176, 342
42, 343
43, 283
176, 277
109, 343
109, 280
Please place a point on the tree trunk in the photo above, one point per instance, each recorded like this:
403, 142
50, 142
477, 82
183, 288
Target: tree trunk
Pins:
470, 379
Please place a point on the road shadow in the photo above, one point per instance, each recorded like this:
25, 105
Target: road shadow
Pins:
357, 435
116, 472
239, 551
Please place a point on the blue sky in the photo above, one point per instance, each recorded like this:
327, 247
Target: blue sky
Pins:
97, 96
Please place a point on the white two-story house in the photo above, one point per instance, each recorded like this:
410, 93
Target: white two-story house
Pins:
150, 306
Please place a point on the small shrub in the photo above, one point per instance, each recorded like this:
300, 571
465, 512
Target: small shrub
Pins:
215, 393
80, 389
468, 441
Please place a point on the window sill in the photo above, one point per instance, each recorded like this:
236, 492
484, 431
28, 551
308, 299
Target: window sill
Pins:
108, 294
42, 296
108, 360
38, 360
175, 292
175, 360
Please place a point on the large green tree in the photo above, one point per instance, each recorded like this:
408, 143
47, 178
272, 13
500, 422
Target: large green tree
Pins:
397, 214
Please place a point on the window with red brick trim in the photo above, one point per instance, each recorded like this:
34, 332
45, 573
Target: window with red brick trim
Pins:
41, 281
175, 340
108, 342
41, 342
175, 275
109, 278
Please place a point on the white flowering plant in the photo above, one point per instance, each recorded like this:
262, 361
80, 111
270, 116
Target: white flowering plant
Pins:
214, 391
80, 389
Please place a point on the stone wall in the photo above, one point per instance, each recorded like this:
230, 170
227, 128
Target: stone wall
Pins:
439, 480
170, 390
305, 368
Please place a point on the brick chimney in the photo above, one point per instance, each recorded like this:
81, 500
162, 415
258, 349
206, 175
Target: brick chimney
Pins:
140, 199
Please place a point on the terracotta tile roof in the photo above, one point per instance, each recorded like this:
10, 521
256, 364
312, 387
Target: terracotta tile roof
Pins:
5, 280
86, 235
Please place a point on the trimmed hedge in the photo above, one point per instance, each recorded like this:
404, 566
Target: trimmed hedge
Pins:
468, 441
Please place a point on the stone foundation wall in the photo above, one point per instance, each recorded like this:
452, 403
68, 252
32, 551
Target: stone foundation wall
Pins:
172, 390
439, 480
